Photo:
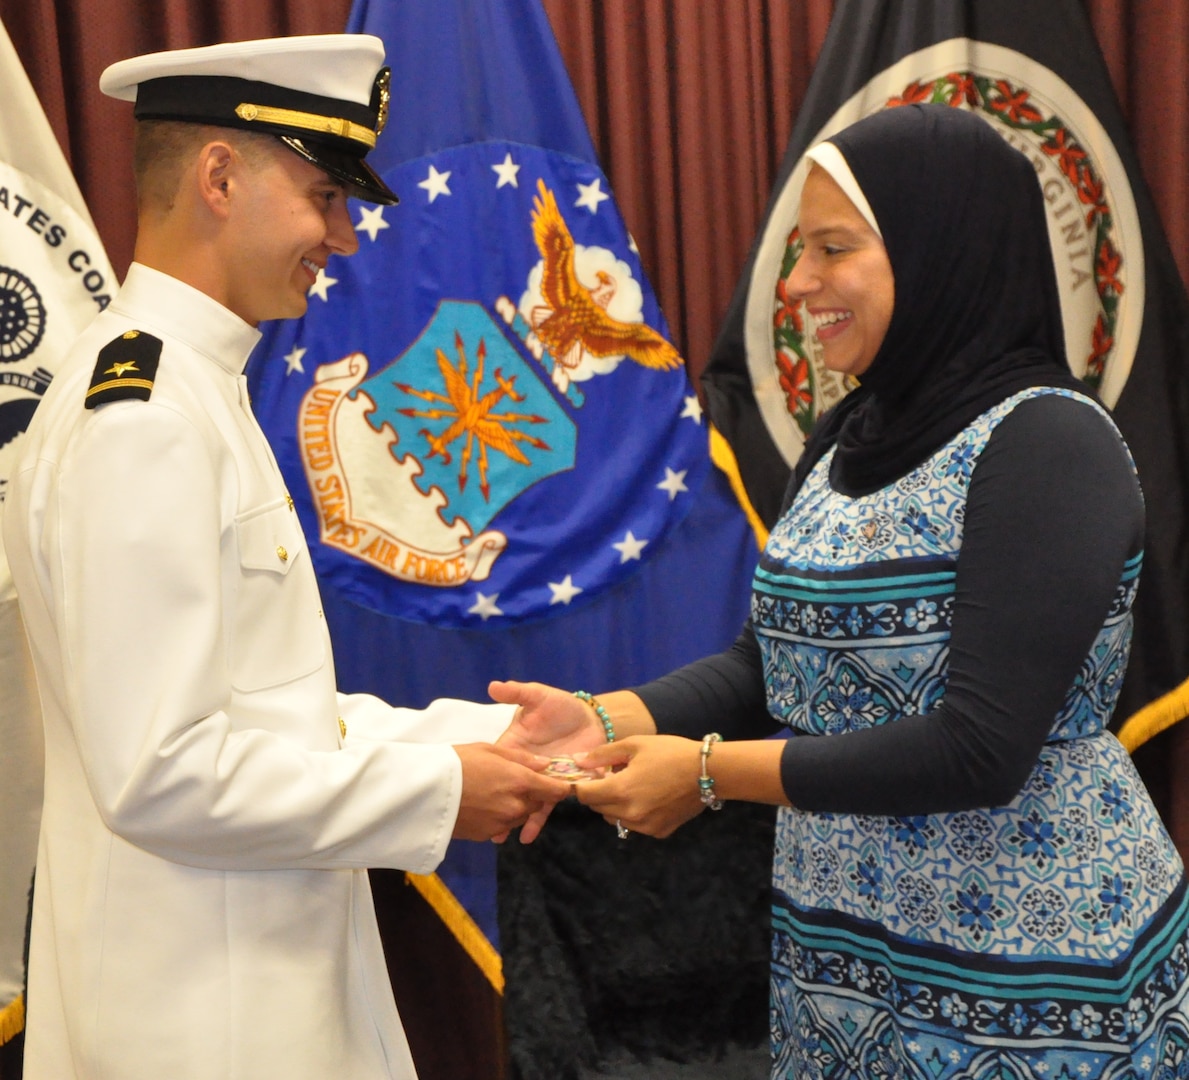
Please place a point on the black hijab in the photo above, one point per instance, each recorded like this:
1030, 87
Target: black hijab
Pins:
977, 314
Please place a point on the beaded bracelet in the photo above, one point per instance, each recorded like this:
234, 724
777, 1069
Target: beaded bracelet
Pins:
600, 712
706, 781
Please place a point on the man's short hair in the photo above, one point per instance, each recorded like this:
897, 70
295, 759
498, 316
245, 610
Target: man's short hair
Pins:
164, 149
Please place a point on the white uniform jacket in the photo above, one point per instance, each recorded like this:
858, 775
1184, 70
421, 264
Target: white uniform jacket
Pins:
202, 907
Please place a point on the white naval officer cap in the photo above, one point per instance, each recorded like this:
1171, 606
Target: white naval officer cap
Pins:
324, 95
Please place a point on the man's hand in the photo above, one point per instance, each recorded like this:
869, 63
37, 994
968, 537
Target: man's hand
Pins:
502, 787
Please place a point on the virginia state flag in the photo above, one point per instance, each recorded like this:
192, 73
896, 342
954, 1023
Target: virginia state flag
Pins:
54, 278
494, 448
1035, 73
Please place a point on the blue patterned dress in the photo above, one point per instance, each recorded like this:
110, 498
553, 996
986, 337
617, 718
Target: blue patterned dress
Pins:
1041, 940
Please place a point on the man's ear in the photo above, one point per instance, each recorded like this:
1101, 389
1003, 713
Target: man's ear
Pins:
216, 168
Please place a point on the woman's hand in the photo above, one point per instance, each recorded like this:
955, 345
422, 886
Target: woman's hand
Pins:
553, 723
548, 721
654, 788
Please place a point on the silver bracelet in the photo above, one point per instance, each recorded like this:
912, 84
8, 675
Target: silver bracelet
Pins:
706, 781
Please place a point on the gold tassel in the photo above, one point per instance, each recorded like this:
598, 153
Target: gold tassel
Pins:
12, 1019
461, 925
724, 457
1155, 717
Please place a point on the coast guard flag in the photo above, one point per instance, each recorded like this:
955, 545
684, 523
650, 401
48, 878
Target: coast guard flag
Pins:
494, 449
1035, 73
54, 278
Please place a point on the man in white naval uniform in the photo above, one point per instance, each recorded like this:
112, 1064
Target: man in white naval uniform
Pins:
211, 802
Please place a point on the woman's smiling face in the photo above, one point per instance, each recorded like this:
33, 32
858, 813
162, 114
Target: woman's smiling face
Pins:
843, 276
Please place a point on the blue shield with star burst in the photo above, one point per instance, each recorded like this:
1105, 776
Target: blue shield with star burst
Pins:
461, 362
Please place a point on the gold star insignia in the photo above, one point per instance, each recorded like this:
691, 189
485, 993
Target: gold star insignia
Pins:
125, 369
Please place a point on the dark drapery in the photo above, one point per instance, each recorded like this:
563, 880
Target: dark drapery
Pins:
690, 102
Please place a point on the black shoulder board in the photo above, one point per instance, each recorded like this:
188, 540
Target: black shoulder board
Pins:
125, 369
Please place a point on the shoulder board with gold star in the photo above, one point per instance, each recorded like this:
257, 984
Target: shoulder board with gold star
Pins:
125, 369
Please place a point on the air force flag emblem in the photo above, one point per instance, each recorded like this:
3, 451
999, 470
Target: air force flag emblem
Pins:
409, 464
501, 426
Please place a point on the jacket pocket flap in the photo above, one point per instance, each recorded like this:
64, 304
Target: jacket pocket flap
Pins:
270, 539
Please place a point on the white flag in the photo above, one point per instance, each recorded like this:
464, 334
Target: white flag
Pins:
54, 278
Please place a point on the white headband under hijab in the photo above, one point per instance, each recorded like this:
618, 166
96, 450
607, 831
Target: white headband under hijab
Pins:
830, 158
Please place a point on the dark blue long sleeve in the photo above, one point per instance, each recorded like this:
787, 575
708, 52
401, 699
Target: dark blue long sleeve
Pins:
1053, 512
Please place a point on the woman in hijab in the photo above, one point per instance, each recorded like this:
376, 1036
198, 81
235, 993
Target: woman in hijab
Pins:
969, 877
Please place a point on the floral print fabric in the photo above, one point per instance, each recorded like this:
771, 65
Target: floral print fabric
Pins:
1047, 939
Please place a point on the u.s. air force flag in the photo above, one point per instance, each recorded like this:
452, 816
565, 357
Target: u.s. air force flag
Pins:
1034, 72
54, 278
486, 431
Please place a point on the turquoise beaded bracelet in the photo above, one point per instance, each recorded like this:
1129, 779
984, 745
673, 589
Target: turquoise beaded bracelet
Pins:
600, 712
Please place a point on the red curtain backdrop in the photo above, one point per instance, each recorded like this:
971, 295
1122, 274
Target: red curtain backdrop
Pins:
691, 104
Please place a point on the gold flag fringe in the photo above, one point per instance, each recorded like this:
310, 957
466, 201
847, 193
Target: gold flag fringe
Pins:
1155, 717
461, 925
12, 1019
724, 457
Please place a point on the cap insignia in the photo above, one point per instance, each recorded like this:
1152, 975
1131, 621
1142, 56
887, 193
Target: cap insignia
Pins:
383, 88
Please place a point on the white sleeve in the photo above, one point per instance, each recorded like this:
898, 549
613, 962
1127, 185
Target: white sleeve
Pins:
132, 543
446, 720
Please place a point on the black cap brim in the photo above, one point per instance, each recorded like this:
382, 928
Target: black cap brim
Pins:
362, 180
